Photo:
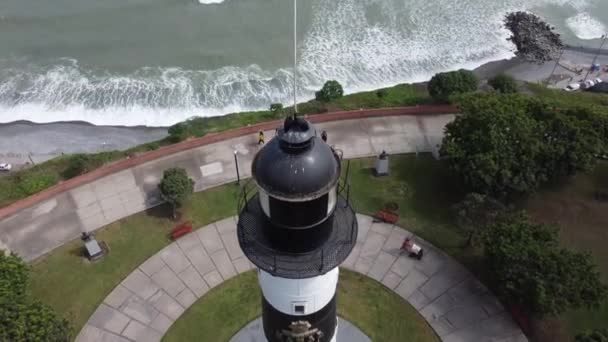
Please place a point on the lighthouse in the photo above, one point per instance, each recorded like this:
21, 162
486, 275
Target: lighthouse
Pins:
297, 228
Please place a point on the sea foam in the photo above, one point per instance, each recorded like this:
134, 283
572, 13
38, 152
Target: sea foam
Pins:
403, 41
208, 2
586, 27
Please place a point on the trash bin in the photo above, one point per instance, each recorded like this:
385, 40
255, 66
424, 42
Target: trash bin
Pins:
381, 168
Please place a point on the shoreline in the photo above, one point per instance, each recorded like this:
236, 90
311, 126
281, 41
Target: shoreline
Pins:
483, 66
77, 122
25, 142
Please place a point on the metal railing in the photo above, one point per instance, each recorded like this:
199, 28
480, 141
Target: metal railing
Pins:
247, 191
294, 264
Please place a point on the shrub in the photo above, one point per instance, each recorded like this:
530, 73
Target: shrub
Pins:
446, 84
35, 182
332, 90
77, 165
276, 109
193, 127
504, 84
312, 107
177, 132
381, 93
151, 146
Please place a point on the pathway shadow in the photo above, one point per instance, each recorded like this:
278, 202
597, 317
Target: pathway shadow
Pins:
163, 211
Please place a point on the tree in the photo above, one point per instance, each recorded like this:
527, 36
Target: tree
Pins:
493, 146
526, 267
503, 83
596, 119
31, 320
446, 84
505, 145
332, 90
535, 40
23, 318
597, 335
175, 187
569, 144
475, 213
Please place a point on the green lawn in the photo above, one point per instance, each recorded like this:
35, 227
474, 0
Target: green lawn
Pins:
75, 287
20, 184
422, 187
377, 311
562, 98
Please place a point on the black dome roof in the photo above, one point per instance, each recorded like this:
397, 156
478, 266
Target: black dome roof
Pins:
296, 165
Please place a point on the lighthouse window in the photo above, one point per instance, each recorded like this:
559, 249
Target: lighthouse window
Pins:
298, 214
299, 308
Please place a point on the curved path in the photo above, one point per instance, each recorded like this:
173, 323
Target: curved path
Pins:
146, 303
40, 223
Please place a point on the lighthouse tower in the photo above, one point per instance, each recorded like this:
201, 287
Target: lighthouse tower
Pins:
297, 229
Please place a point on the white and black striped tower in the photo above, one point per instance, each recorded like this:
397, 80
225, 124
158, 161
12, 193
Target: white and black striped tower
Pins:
297, 230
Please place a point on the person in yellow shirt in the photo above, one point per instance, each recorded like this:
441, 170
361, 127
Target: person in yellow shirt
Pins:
261, 138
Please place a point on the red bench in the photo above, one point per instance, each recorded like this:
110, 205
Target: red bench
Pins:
386, 216
181, 229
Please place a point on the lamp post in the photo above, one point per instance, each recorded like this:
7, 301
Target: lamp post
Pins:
604, 37
561, 53
236, 165
295, 56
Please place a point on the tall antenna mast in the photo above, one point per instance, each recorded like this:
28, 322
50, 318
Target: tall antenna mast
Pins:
295, 57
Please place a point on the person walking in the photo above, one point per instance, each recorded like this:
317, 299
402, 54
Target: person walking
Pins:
261, 138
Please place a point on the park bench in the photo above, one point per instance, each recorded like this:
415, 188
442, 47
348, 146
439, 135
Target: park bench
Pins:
181, 229
387, 216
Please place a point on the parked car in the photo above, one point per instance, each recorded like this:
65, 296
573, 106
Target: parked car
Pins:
573, 87
5, 167
587, 84
598, 80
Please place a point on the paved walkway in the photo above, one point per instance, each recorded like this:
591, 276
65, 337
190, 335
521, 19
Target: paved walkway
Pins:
146, 303
40, 223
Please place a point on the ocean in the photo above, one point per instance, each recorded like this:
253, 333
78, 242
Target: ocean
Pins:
157, 62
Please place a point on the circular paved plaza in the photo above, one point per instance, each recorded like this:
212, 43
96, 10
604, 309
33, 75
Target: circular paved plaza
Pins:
147, 302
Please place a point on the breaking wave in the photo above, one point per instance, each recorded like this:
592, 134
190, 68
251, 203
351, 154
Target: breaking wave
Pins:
364, 44
586, 27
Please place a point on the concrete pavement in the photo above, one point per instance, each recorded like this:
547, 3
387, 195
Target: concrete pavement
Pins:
148, 301
101, 197
565, 73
